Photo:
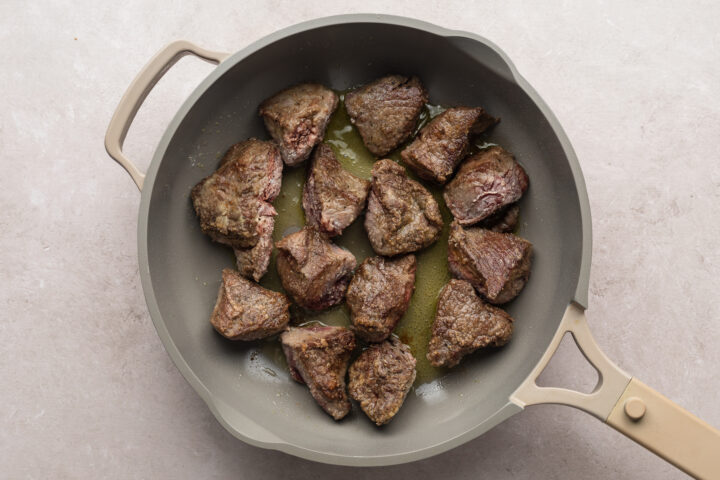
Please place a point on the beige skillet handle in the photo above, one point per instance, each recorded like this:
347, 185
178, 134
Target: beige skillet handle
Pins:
136, 93
628, 405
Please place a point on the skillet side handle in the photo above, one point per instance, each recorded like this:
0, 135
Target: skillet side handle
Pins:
136, 93
627, 405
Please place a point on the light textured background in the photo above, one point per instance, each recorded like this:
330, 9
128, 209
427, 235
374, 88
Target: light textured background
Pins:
86, 389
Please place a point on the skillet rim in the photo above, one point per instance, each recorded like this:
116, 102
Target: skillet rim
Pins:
240, 425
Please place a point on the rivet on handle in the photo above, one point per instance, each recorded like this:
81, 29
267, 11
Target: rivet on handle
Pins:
634, 408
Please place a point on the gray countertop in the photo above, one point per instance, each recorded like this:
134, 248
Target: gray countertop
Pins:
89, 392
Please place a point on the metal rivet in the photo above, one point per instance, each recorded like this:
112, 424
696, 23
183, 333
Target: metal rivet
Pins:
634, 408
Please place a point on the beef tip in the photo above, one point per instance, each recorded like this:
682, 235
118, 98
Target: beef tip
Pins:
444, 142
485, 184
402, 216
496, 264
313, 270
253, 262
318, 356
463, 323
297, 118
332, 196
380, 379
246, 311
233, 203
379, 295
503, 221
386, 111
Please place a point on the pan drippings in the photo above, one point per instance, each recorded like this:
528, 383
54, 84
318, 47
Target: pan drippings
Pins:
432, 269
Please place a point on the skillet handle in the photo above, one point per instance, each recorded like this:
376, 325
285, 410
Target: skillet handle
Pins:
136, 93
628, 405
667, 430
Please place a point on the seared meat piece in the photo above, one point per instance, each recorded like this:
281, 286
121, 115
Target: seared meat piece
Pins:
332, 196
233, 203
503, 221
318, 356
380, 379
443, 142
246, 311
386, 111
297, 118
496, 264
253, 262
379, 295
402, 216
463, 323
313, 270
485, 183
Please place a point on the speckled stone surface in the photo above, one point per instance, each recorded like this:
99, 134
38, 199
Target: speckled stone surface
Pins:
86, 389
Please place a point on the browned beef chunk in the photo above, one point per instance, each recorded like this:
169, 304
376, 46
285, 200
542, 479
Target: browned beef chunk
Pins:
379, 295
233, 203
386, 111
332, 196
496, 264
503, 221
485, 184
318, 356
380, 379
442, 143
297, 118
313, 270
402, 216
463, 323
247, 311
253, 262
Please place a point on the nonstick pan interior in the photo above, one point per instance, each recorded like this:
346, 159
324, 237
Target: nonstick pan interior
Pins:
252, 397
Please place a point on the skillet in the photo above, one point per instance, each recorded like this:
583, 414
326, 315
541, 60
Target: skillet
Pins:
179, 267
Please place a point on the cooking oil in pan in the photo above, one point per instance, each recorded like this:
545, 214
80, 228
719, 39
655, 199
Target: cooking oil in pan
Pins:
432, 269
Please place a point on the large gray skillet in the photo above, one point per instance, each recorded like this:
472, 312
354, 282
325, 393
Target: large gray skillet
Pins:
272, 411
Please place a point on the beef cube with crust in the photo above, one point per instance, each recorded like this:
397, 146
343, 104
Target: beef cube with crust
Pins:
496, 264
253, 262
246, 311
318, 356
297, 118
313, 270
485, 184
332, 196
386, 111
444, 142
233, 203
464, 323
379, 295
402, 216
380, 379
503, 221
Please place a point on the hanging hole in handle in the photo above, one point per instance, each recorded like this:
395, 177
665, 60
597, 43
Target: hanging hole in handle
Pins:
568, 368
160, 106
613, 380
